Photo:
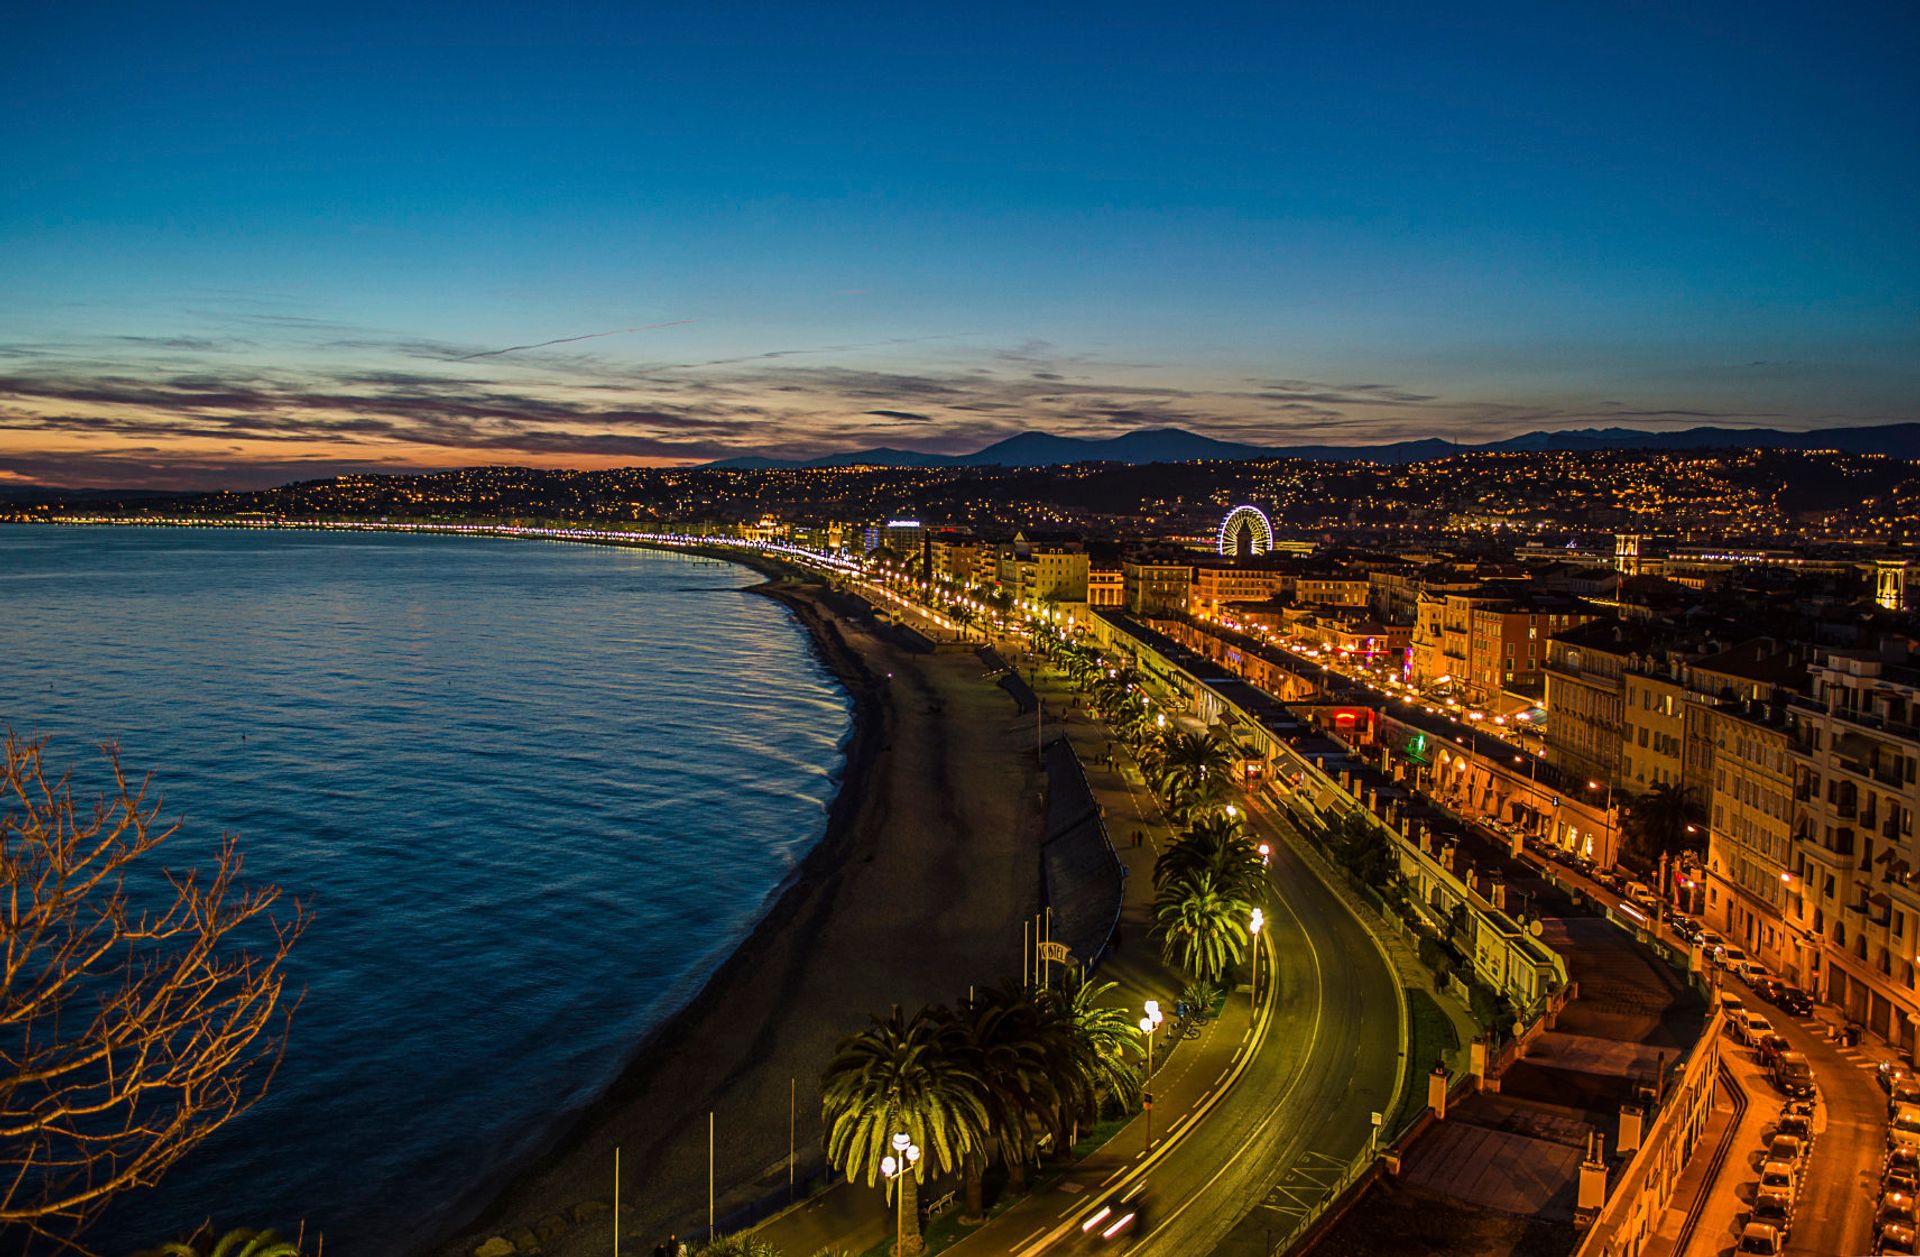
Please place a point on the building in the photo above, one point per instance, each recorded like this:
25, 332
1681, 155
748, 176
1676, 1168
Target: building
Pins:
1156, 586
1653, 747
1216, 585
1586, 698
1106, 586
1856, 764
1750, 885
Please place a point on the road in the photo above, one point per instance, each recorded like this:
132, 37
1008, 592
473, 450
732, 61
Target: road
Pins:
1329, 1059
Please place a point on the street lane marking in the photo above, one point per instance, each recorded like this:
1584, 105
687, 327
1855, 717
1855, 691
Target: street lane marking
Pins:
1265, 1015
1313, 1036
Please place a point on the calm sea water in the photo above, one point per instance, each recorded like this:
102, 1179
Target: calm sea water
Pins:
533, 791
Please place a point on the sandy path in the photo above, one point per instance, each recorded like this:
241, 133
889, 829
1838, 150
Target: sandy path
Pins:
919, 888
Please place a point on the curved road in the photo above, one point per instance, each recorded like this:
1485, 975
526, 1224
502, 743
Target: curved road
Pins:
1330, 1056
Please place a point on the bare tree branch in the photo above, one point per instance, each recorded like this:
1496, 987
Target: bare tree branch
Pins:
133, 1024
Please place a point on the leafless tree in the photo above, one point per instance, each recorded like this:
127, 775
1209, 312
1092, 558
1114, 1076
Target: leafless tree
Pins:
142, 1007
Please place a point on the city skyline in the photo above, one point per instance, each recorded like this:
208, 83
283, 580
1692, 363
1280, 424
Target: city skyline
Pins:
251, 248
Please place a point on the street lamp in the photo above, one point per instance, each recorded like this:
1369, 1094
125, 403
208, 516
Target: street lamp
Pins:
1149, 1024
896, 1168
1253, 931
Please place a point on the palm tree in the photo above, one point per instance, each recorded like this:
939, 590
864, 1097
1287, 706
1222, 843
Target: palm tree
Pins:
1105, 1040
907, 1075
1217, 846
1203, 926
1195, 772
1008, 1056
240, 1242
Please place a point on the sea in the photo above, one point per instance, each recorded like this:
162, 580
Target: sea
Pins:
532, 792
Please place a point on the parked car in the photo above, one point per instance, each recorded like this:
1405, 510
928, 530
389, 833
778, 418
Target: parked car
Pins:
1904, 1129
1754, 1028
1780, 1176
1751, 971
1904, 1181
1734, 1007
1896, 1207
1774, 1209
1767, 987
1902, 1158
1890, 1072
1786, 1148
1758, 1237
1894, 1239
1731, 958
1794, 1076
1906, 1091
1770, 1046
1799, 1125
1795, 1001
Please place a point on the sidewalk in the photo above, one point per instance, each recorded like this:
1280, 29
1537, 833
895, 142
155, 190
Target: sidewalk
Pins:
855, 1218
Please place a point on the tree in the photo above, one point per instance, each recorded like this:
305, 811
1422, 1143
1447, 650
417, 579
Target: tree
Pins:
1194, 771
141, 1007
1104, 1039
1004, 1039
1215, 845
241, 1242
1663, 821
907, 1075
1203, 928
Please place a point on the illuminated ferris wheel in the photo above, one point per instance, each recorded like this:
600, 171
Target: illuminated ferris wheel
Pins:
1245, 531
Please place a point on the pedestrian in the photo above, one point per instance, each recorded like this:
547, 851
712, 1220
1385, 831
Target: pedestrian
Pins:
675, 1248
660, 1249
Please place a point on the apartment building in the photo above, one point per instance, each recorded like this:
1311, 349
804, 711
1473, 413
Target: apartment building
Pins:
1750, 883
1043, 573
1216, 585
1332, 589
1856, 758
1155, 586
1106, 586
1653, 745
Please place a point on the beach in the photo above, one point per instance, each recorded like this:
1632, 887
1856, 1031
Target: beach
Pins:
918, 888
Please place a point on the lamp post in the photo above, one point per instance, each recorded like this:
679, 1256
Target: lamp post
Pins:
897, 1168
1149, 1024
1253, 932
1606, 816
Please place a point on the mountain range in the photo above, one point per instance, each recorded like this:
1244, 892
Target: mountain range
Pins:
1176, 445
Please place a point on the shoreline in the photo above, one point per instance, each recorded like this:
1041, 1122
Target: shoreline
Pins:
556, 1196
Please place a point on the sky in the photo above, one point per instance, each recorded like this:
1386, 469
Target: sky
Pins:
247, 244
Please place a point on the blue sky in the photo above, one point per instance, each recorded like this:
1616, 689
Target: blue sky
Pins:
239, 244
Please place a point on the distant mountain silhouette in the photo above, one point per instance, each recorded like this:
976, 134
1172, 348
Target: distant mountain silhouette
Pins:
1175, 445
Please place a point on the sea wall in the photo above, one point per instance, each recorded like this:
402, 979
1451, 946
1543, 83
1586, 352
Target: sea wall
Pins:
1082, 879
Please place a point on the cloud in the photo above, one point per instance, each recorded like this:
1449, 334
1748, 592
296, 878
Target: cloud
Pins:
275, 390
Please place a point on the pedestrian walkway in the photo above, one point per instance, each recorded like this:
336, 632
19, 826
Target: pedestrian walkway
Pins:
1673, 1234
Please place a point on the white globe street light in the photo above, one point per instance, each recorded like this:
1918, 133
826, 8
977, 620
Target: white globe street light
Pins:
896, 1169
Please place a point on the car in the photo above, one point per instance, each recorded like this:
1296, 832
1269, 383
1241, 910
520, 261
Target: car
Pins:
1758, 1237
1795, 1001
1786, 1148
1754, 1029
1894, 1239
1903, 1159
1794, 1076
1780, 1176
1799, 1125
1903, 1130
1889, 1072
1906, 1091
1751, 971
1767, 987
1731, 958
1770, 1046
1774, 1209
1733, 1006
1904, 1181
1896, 1207
1119, 1218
